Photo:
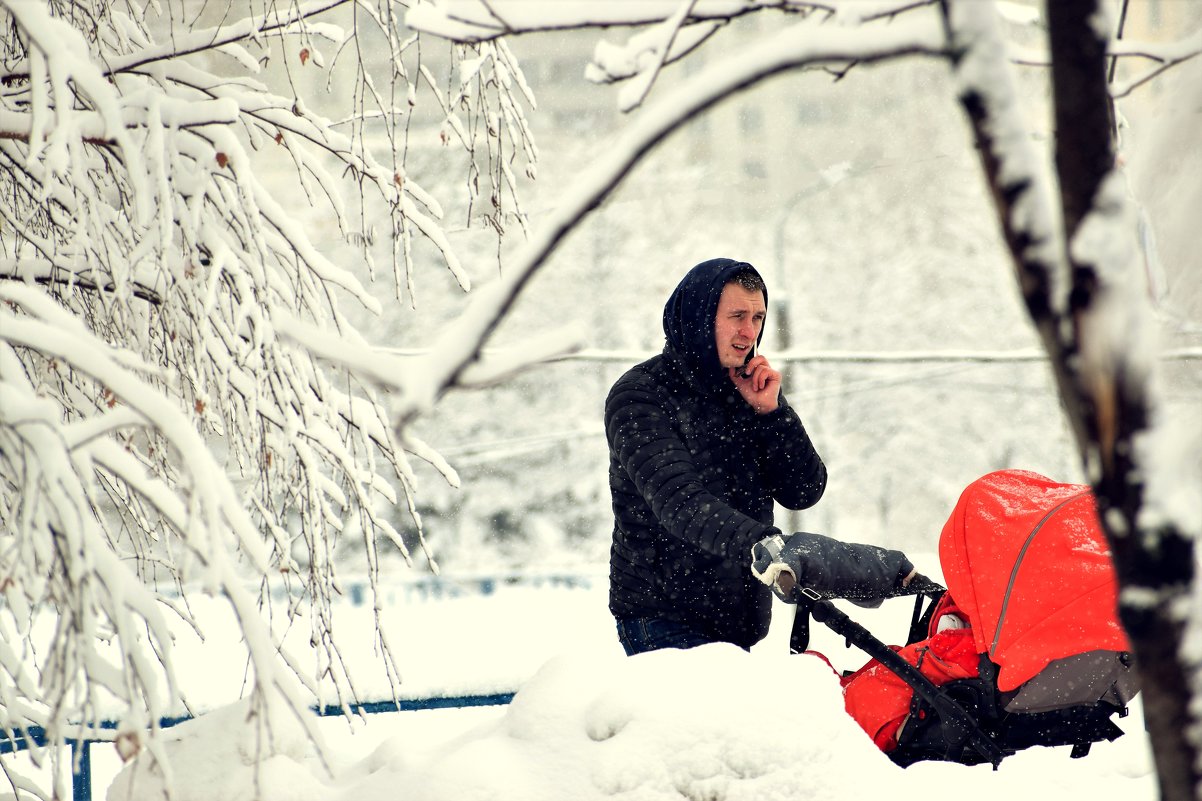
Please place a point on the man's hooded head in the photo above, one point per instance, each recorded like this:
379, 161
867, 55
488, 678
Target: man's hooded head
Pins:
690, 313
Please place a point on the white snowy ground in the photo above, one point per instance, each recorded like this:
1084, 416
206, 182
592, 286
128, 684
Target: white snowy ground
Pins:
713, 723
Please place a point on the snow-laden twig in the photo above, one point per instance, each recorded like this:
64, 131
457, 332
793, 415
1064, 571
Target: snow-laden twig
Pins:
613, 63
287, 20
1166, 54
150, 247
483, 20
1019, 177
656, 48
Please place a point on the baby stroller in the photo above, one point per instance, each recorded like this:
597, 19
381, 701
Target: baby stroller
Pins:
1022, 648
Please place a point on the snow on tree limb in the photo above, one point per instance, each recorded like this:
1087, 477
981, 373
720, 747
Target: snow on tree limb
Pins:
290, 19
216, 508
388, 370
797, 46
482, 20
94, 128
1167, 56
155, 415
95, 595
613, 63
1018, 177
657, 45
165, 300
211, 514
1093, 319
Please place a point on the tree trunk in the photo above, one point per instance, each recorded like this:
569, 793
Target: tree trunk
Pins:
1071, 292
1155, 563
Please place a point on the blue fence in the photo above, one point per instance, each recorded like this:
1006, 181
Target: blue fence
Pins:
439, 587
81, 750
358, 593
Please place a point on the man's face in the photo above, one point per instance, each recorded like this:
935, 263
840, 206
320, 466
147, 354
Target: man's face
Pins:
737, 327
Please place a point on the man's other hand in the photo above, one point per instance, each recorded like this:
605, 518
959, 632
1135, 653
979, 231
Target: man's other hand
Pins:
863, 574
768, 566
761, 387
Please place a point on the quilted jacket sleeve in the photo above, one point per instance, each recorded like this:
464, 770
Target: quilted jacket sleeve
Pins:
652, 454
789, 462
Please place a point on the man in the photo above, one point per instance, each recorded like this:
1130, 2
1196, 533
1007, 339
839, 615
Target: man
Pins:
701, 442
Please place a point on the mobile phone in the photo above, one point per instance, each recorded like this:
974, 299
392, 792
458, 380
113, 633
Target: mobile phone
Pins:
743, 373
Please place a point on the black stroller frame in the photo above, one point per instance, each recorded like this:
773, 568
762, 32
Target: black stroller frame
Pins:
961, 721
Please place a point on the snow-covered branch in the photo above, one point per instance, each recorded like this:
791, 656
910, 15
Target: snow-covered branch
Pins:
798, 46
160, 182
481, 20
183, 398
1017, 175
196, 40
668, 31
47, 273
656, 47
1166, 55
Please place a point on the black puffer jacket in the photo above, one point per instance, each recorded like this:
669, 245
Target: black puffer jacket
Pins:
693, 472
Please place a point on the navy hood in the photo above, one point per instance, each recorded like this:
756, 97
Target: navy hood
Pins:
690, 313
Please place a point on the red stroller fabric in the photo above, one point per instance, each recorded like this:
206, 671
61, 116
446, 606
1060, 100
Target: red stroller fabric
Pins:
879, 699
1026, 560
1029, 569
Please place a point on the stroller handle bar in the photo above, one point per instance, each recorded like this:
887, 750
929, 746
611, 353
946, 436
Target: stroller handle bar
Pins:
959, 727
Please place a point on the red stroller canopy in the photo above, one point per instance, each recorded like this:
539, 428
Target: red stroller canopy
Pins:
1026, 560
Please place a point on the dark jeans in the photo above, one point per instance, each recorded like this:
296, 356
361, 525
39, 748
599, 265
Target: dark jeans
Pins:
639, 634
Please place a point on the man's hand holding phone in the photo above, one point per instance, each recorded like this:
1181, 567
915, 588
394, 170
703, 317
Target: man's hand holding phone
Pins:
758, 383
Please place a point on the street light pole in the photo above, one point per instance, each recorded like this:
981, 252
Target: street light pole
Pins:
827, 178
